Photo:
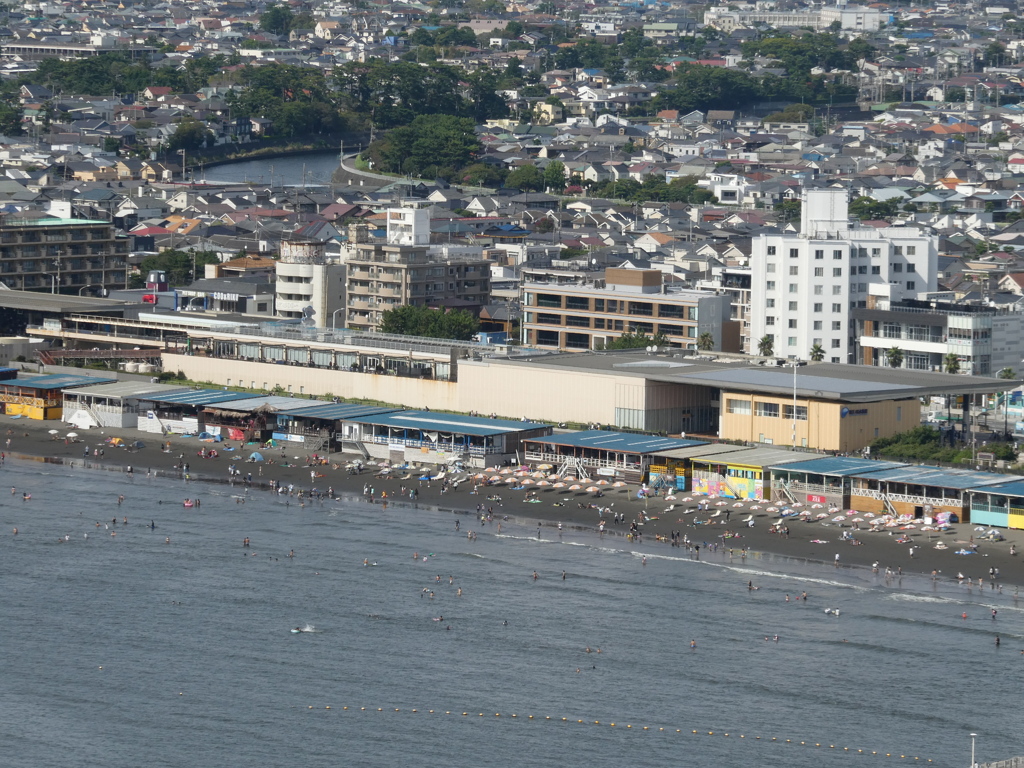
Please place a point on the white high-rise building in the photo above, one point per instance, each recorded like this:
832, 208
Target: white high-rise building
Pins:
805, 286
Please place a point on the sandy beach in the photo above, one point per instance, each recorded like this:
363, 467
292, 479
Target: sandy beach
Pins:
810, 541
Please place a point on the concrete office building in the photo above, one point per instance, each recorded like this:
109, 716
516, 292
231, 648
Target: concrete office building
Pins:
984, 339
588, 315
805, 287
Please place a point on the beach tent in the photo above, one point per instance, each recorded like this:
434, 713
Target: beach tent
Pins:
255, 456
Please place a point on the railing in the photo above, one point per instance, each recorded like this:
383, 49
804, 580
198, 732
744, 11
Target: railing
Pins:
903, 498
476, 450
557, 458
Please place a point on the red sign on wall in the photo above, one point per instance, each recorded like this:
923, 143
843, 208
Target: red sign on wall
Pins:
817, 499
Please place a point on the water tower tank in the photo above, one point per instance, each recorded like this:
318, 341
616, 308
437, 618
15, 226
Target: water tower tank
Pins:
131, 367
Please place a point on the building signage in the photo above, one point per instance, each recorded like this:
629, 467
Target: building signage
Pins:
853, 412
815, 498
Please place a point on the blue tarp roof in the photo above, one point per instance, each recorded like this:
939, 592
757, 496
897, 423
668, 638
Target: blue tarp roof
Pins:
247, 403
56, 381
1011, 488
603, 440
448, 422
839, 465
337, 411
195, 397
937, 477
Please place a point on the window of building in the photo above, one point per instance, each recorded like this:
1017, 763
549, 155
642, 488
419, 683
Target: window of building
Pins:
911, 285
876, 270
599, 322
897, 267
817, 327
911, 268
797, 413
899, 413
837, 307
791, 342
613, 305
792, 323
618, 325
876, 251
818, 307
911, 251
769, 268
819, 271
794, 271
837, 254
837, 290
897, 250
739, 407
819, 290
770, 410
794, 253
770, 303
599, 305
819, 254
836, 343
771, 250
794, 306
770, 285
862, 269
769, 320
837, 325
641, 308
577, 303
794, 288
837, 272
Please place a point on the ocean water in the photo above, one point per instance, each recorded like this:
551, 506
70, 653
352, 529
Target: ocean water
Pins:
125, 650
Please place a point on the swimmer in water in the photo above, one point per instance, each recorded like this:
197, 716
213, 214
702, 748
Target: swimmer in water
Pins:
505, 624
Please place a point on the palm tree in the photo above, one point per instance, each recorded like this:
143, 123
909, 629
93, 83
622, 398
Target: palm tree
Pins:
894, 357
766, 346
817, 353
705, 342
1007, 373
951, 363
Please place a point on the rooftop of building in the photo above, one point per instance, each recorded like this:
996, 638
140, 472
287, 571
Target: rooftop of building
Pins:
602, 440
821, 381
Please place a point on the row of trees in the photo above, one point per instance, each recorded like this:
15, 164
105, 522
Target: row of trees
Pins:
411, 320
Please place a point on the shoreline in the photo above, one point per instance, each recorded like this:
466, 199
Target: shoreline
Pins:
809, 542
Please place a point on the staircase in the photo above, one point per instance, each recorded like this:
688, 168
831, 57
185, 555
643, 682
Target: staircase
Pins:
783, 488
574, 467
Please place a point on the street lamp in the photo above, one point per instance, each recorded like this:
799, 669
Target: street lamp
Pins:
334, 318
90, 285
973, 737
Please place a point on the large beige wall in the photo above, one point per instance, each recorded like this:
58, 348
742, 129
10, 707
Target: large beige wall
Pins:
396, 390
546, 393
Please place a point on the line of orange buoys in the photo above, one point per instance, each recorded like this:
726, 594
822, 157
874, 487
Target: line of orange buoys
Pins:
629, 726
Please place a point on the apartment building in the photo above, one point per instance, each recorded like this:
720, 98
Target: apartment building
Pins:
984, 339
307, 278
587, 315
400, 270
805, 287
62, 255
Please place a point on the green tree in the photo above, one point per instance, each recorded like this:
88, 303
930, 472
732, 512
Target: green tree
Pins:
766, 345
634, 340
554, 176
277, 19
789, 210
951, 363
705, 342
527, 178
409, 320
868, 208
1007, 373
894, 357
189, 135
431, 145
817, 353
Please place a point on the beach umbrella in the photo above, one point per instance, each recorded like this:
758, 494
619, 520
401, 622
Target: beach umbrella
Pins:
569, 479
816, 506
738, 504
602, 482
553, 476
542, 482
821, 516
54, 432
756, 507
857, 520
667, 498
838, 519
575, 487
538, 474
71, 434
618, 484
505, 471
544, 466
527, 482
721, 503
593, 489
558, 485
